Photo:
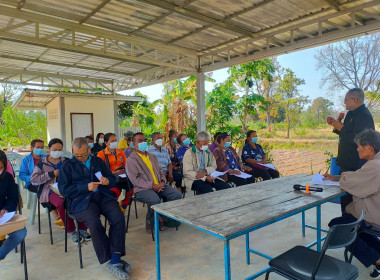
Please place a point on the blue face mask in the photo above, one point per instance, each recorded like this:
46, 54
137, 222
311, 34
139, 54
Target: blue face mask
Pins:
38, 152
255, 139
175, 140
91, 145
143, 146
132, 145
227, 144
186, 142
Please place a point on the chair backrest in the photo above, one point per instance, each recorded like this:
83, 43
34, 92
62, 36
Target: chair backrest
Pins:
342, 235
67, 154
15, 160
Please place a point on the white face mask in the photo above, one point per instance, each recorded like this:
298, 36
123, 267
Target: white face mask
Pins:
1, 172
204, 147
158, 142
56, 154
113, 145
101, 140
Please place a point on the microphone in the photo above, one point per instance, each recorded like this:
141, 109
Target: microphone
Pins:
340, 117
307, 188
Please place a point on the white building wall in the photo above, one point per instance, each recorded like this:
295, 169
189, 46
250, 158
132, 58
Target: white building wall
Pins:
53, 117
102, 110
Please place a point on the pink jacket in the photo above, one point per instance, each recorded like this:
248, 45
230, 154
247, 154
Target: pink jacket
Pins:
139, 174
9, 169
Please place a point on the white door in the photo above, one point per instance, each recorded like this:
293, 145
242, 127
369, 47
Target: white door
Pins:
81, 125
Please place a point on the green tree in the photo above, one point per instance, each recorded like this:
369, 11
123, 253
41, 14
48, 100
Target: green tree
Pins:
221, 105
320, 109
20, 127
289, 97
8, 93
245, 76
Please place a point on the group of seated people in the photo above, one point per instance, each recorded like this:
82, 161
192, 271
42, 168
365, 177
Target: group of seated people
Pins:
92, 180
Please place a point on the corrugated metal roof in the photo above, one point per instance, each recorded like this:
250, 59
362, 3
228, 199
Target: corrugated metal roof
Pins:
131, 43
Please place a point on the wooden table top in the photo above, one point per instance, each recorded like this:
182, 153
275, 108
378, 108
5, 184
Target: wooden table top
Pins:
230, 211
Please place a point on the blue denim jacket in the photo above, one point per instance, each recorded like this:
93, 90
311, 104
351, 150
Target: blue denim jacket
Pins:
26, 169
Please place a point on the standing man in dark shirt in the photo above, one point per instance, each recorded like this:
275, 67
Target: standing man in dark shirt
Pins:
357, 119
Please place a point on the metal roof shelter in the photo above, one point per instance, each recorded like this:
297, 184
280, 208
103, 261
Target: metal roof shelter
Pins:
32, 99
116, 45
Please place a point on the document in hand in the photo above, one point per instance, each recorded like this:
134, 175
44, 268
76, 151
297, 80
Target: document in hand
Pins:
98, 175
55, 186
123, 175
271, 166
318, 180
6, 217
217, 173
242, 175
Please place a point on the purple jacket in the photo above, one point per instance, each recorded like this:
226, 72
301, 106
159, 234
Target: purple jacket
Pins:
140, 175
221, 161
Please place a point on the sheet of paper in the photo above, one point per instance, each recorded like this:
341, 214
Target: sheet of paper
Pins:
217, 174
318, 180
98, 175
269, 165
55, 185
123, 175
242, 175
6, 217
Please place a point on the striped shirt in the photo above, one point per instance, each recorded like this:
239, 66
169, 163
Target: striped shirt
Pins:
162, 156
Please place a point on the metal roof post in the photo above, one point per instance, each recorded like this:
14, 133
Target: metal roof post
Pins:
201, 102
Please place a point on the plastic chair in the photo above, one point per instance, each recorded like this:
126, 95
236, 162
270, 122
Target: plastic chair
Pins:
15, 160
77, 231
301, 263
366, 228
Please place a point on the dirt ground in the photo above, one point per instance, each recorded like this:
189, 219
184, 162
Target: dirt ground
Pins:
290, 162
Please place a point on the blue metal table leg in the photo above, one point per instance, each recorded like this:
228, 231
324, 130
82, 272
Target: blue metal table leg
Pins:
303, 223
157, 239
247, 248
227, 260
319, 228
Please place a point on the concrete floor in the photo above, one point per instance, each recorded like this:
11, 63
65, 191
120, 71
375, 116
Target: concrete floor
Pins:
186, 254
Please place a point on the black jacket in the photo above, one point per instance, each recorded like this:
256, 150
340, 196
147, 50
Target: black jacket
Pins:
355, 122
97, 148
74, 178
8, 192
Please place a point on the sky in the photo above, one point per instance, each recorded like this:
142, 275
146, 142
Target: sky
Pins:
302, 63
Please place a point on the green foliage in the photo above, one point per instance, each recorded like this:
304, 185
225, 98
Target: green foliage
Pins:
221, 104
125, 110
20, 127
289, 97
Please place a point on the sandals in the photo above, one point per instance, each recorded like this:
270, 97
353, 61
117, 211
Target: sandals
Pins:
148, 228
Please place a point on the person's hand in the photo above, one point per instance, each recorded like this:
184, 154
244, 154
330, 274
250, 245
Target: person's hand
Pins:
264, 161
170, 179
337, 125
246, 168
162, 186
56, 173
210, 179
330, 120
329, 177
201, 174
2, 212
176, 168
104, 181
157, 188
118, 172
234, 172
93, 186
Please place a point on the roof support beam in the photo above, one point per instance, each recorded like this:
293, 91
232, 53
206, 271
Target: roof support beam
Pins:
177, 9
94, 11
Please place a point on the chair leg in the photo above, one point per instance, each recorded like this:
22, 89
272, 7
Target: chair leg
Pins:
33, 198
23, 253
128, 215
51, 232
65, 231
39, 216
136, 210
267, 274
79, 243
